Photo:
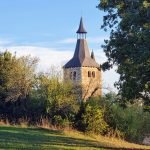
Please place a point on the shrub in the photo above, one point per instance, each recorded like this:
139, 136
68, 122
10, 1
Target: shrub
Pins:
58, 121
93, 120
90, 118
130, 122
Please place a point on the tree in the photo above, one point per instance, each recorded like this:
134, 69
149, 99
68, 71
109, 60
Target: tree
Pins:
16, 81
128, 46
16, 76
59, 97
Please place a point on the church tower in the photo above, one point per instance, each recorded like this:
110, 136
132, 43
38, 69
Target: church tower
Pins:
82, 69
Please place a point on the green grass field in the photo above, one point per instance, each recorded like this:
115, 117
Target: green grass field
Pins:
35, 138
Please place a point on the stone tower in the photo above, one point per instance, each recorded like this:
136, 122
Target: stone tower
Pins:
82, 69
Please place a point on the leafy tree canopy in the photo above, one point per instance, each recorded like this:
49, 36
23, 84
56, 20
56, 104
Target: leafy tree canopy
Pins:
16, 76
128, 46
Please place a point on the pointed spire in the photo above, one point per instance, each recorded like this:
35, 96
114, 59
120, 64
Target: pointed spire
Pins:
81, 57
92, 55
81, 27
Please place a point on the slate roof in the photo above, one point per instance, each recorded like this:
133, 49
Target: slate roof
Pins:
81, 28
81, 56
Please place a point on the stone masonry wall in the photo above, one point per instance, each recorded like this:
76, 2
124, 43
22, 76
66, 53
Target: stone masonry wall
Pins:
90, 85
67, 74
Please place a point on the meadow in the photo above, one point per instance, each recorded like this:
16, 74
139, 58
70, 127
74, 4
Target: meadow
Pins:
17, 137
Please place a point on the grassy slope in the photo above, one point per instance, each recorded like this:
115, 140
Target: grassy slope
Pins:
35, 138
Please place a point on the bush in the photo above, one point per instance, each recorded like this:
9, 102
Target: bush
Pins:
130, 122
90, 118
58, 121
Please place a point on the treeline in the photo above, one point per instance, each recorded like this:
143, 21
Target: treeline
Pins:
34, 97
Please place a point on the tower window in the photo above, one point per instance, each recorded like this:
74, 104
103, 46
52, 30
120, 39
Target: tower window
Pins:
74, 75
89, 73
93, 74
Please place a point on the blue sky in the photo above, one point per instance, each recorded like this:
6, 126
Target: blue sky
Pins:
47, 29
46, 22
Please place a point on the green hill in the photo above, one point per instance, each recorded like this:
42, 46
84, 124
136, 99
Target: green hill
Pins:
36, 138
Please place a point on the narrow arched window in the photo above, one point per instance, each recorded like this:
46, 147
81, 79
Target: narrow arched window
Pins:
74, 75
93, 74
89, 73
71, 75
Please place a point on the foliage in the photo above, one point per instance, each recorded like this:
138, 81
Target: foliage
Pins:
58, 121
131, 123
90, 118
28, 95
33, 97
60, 99
16, 82
16, 76
129, 47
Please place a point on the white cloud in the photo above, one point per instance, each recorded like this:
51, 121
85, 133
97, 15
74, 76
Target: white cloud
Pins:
97, 40
68, 41
49, 57
4, 42
99, 55
109, 78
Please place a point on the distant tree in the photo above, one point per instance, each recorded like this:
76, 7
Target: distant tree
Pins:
128, 46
